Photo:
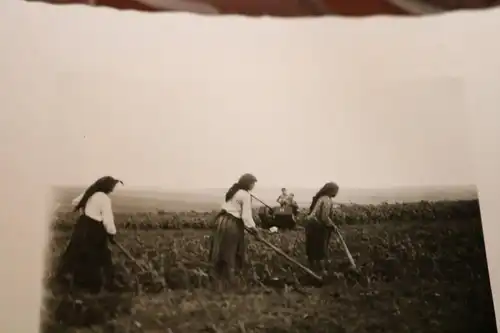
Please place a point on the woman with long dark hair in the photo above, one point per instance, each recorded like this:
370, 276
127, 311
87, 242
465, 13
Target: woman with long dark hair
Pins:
87, 259
320, 225
227, 252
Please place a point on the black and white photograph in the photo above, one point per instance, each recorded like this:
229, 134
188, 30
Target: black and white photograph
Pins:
349, 221
342, 221
196, 188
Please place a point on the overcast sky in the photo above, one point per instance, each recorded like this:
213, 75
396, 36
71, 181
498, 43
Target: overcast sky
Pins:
176, 106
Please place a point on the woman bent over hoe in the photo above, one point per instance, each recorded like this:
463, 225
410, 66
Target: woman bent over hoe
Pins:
320, 225
227, 252
87, 258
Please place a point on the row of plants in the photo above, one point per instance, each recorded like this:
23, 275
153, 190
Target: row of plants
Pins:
344, 214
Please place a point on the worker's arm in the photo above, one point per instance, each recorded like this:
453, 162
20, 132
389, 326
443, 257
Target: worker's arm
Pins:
246, 210
327, 212
108, 219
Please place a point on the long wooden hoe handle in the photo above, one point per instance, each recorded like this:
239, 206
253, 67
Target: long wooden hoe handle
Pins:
346, 249
283, 254
126, 253
262, 202
290, 259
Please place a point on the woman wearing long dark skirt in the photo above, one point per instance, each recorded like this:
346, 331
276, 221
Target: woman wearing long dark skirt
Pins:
87, 259
227, 252
319, 226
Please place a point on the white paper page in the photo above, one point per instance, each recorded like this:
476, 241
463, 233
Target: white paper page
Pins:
482, 115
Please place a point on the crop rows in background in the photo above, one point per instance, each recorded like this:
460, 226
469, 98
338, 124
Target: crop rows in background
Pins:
344, 215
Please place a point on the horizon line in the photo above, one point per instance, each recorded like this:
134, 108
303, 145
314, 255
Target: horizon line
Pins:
138, 187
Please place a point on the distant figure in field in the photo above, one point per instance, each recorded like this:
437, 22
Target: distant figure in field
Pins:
87, 258
227, 251
319, 226
292, 203
283, 198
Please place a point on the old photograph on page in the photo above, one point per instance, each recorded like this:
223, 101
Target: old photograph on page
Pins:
348, 208
290, 8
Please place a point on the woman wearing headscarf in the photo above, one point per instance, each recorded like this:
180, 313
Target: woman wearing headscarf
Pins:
227, 252
320, 225
87, 258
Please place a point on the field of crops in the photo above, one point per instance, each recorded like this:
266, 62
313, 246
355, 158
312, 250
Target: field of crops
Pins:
345, 214
422, 268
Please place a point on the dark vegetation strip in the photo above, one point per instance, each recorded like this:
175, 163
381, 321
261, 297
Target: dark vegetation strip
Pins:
346, 215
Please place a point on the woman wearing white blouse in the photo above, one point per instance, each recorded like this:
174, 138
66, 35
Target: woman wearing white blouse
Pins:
227, 252
88, 256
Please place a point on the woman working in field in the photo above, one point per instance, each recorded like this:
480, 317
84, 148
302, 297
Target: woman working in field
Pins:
320, 225
87, 257
227, 252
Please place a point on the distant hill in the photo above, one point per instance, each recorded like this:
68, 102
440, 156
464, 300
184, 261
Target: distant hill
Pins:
144, 200
132, 200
